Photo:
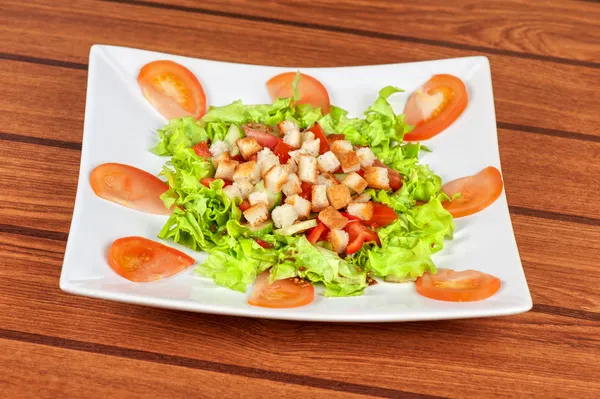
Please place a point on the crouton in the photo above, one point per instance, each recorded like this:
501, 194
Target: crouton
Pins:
365, 156
327, 179
292, 186
226, 169
312, 146
363, 211
218, 147
226, 156
307, 135
284, 216
307, 169
295, 155
248, 146
364, 197
338, 196
291, 133
338, 239
377, 177
291, 166
319, 197
328, 162
276, 178
302, 205
247, 171
350, 162
265, 160
232, 192
340, 147
355, 182
331, 218
258, 197
256, 214
245, 187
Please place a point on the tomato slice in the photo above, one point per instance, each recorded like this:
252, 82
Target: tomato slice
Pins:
449, 285
263, 244
315, 234
358, 234
383, 215
311, 90
172, 89
263, 137
207, 180
141, 260
393, 175
435, 106
245, 205
130, 187
477, 192
201, 149
320, 134
306, 190
282, 150
288, 293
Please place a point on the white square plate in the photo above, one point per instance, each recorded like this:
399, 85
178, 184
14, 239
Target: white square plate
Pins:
120, 127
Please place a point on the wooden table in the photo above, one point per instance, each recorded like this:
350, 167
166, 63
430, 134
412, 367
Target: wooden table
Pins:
545, 58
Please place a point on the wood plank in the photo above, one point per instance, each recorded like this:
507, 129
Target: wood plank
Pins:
40, 371
565, 29
535, 354
83, 23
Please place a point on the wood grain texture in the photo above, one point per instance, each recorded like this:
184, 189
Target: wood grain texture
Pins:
85, 22
544, 58
563, 29
40, 371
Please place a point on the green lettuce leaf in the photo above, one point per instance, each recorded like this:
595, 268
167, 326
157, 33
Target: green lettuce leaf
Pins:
179, 133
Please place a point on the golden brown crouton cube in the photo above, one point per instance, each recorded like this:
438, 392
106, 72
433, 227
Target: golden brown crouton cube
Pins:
247, 171
340, 147
276, 178
363, 211
339, 196
338, 239
257, 214
355, 182
377, 177
332, 218
350, 162
248, 146
319, 197
226, 169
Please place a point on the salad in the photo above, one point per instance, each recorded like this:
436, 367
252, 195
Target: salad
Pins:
295, 193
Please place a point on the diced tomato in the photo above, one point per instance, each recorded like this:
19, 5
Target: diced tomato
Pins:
435, 106
201, 149
141, 260
358, 235
238, 158
245, 205
311, 90
172, 89
393, 175
452, 286
320, 134
261, 135
316, 233
306, 191
130, 187
207, 180
263, 244
282, 150
288, 293
477, 192
253, 157
334, 137
383, 215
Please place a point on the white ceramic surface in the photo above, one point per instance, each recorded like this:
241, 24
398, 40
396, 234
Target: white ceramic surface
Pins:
120, 127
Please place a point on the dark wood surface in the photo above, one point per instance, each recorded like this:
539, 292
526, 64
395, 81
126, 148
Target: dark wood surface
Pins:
545, 59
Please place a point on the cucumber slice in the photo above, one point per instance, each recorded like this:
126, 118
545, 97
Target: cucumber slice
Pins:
273, 198
297, 227
233, 134
263, 228
394, 279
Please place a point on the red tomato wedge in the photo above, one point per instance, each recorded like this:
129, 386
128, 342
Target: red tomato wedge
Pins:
141, 260
201, 149
282, 150
130, 187
263, 244
245, 205
262, 136
311, 90
449, 285
172, 89
435, 106
306, 190
383, 215
320, 134
358, 235
477, 192
315, 234
281, 293
393, 175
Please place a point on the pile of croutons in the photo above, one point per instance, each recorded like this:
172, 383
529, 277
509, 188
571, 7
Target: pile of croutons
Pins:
328, 194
